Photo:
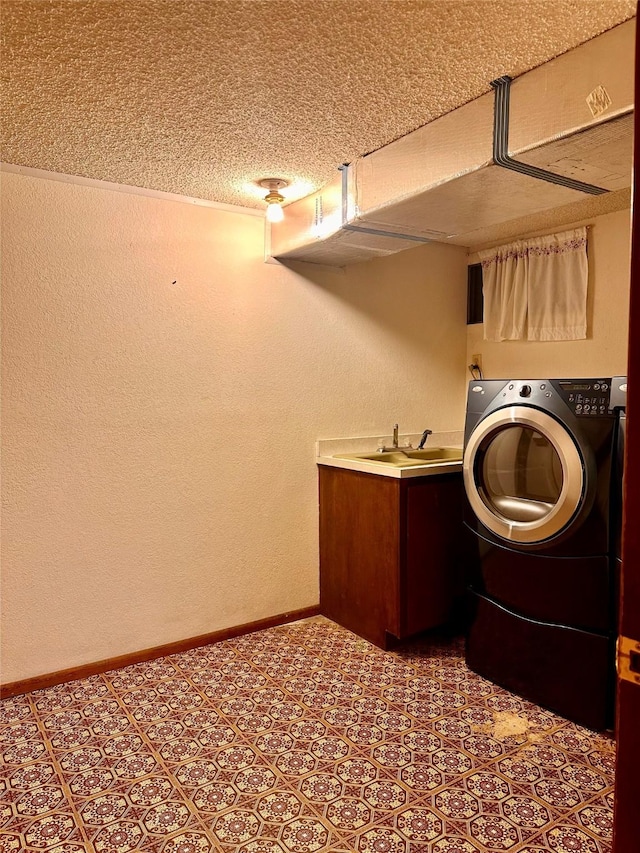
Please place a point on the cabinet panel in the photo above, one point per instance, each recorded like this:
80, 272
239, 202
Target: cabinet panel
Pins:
359, 536
433, 523
389, 552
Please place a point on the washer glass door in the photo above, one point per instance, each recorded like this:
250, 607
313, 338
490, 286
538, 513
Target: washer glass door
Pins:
523, 474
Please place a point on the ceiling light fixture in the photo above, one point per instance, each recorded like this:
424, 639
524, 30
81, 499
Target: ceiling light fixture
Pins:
274, 198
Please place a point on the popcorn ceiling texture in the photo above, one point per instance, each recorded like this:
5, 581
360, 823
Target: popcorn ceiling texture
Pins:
204, 98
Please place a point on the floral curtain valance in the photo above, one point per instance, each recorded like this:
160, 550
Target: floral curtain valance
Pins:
536, 289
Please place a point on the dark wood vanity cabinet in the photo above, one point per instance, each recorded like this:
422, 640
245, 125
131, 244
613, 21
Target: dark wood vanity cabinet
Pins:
389, 552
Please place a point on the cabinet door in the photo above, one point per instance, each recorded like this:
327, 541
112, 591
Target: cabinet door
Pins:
359, 552
433, 517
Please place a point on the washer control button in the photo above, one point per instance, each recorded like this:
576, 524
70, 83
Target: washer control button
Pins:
525, 391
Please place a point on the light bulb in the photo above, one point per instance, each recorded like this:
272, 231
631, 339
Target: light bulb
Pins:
274, 198
274, 212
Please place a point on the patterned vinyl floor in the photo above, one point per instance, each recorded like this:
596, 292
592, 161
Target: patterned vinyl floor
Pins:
299, 739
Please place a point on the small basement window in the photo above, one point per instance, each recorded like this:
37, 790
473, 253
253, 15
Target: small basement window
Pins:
475, 303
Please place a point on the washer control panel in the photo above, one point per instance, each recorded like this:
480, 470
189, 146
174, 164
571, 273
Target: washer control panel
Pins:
586, 397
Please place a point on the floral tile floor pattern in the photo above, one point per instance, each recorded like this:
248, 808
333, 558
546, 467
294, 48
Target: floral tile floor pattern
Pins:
299, 739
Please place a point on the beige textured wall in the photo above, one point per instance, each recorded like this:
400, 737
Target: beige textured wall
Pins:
604, 352
159, 473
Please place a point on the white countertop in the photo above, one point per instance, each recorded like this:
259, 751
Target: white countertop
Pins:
327, 450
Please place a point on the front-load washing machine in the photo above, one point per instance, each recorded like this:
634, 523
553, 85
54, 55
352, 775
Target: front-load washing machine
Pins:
539, 478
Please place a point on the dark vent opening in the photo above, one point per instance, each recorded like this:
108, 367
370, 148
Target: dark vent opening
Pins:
475, 302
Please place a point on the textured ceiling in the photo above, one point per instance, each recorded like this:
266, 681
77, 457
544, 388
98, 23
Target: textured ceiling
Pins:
203, 98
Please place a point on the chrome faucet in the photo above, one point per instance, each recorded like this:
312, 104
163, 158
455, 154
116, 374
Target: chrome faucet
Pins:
425, 436
394, 443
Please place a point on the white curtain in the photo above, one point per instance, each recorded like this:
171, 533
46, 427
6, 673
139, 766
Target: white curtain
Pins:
536, 289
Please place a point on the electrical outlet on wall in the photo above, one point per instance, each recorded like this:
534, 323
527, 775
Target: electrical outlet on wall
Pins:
476, 360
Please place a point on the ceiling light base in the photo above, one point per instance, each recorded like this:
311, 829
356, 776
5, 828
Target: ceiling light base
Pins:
273, 183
